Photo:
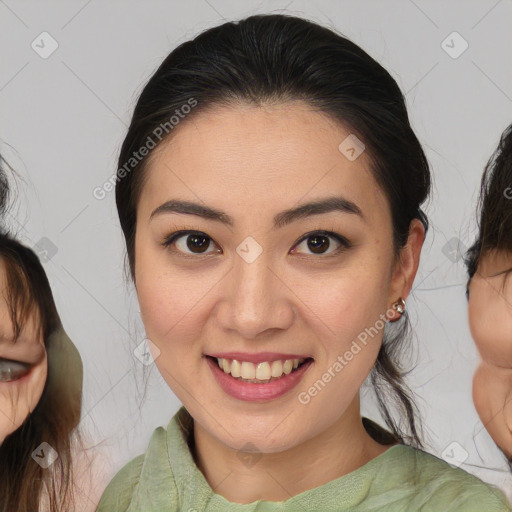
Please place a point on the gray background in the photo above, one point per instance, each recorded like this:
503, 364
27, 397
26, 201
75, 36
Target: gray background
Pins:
65, 116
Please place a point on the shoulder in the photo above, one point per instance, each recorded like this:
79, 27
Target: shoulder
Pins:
444, 486
117, 497
144, 483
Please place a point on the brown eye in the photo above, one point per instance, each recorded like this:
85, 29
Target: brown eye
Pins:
197, 243
320, 243
189, 242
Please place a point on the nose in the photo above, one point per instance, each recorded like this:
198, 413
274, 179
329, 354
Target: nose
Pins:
256, 299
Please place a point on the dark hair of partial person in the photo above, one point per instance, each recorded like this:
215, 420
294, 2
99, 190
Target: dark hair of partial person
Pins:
4, 188
23, 482
494, 209
274, 59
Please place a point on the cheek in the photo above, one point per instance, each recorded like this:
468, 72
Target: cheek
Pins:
174, 306
13, 409
357, 296
346, 311
492, 396
490, 321
167, 310
160, 294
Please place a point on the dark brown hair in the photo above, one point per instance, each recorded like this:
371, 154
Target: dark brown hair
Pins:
494, 207
279, 58
6, 187
23, 482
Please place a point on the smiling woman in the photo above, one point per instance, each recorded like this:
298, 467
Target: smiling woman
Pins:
273, 237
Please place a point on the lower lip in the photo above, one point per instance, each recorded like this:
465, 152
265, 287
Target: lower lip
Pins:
257, 392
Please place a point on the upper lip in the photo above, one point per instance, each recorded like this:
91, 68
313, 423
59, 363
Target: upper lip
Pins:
258, 357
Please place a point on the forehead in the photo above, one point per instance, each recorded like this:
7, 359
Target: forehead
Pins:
259, 157
494, 261
29, 329
490, 285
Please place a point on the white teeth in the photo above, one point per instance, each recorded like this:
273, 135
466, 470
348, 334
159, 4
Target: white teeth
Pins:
277, 369
263, 371
235, 368
288, 366
248, 370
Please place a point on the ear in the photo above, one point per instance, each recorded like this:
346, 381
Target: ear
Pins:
407, 265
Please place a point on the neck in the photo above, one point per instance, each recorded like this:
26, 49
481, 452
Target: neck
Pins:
243, 478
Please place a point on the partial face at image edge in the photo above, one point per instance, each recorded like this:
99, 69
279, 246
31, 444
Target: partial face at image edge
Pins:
490, 321
23, 366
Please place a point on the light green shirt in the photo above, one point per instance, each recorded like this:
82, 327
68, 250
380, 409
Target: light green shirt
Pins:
402, 479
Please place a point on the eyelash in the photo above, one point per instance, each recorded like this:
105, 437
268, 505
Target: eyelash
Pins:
344, 243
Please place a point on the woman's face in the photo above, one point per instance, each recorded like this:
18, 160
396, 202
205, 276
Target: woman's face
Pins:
264, 288
23, 368
490, 320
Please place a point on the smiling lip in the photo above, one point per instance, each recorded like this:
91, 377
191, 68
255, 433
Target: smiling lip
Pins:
255, 392
259, 357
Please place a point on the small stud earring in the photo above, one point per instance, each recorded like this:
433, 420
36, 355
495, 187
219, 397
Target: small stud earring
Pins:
399, 307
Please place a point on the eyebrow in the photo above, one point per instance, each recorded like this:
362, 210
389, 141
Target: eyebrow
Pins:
326, 205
